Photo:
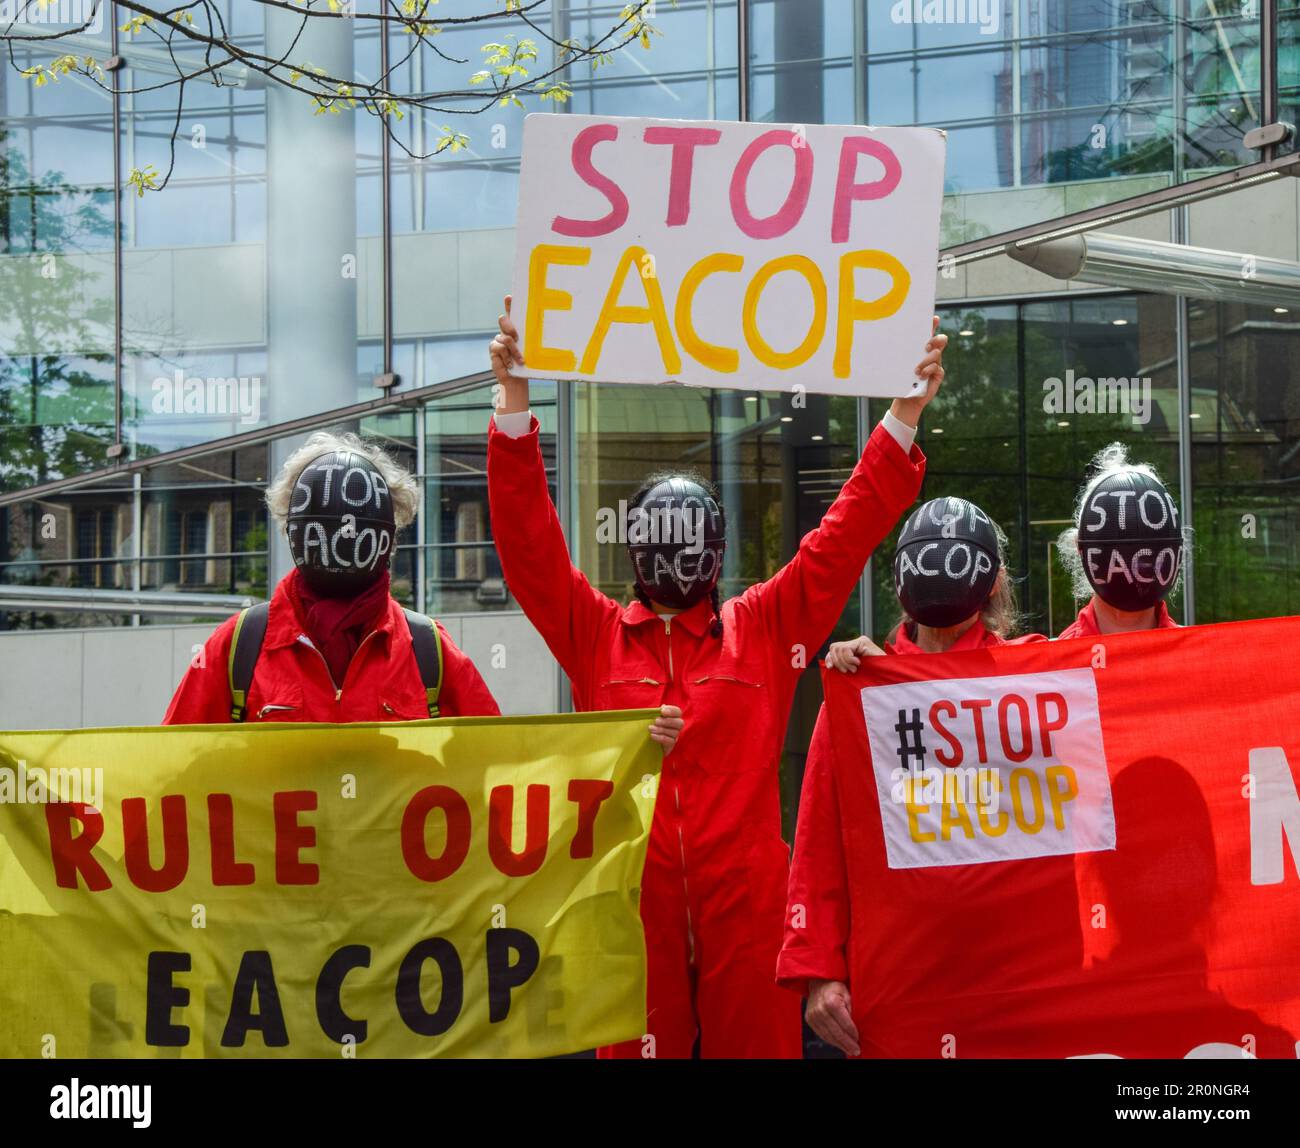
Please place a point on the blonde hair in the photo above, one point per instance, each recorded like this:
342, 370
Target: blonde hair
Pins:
402, 486
1111, 460
1001, 611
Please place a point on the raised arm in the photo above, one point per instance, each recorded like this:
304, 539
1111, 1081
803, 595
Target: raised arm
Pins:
802, 601
564, 607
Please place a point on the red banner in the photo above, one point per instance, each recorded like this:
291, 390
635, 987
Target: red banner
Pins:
1082, 848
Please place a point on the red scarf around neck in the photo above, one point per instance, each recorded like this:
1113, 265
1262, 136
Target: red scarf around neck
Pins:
336, 626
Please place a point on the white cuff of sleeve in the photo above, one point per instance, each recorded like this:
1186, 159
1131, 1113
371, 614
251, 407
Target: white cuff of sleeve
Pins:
515, 424
903, 434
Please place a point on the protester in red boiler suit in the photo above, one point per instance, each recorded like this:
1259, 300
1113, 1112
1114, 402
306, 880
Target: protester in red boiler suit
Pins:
952, 583
337, 646
715, 876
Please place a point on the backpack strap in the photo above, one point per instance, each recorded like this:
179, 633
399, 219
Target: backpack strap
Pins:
245, 645
426, 642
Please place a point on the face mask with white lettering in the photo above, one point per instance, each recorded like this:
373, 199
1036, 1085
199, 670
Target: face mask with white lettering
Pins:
676, 537
340, 524
946, 563
1129, 540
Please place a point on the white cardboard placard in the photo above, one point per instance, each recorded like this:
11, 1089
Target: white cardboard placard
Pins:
745, 255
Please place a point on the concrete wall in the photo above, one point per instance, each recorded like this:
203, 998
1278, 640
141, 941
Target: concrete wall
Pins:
71, 679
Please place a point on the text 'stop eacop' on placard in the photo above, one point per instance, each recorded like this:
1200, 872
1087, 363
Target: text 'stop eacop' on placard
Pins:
723, 254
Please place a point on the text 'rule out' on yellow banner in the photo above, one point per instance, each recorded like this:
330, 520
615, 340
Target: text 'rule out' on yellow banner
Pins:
466, 887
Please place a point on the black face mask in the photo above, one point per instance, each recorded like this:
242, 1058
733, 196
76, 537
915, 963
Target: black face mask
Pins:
676, 537
946, 563
340, 526
1129, 541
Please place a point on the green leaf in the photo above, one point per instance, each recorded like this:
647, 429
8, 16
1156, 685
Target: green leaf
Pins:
143, 179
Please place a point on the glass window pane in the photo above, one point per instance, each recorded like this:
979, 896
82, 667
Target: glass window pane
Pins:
56, 273
1245, 460
1078, 346
939, 89
461, 570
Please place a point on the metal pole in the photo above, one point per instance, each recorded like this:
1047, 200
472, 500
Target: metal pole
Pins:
1183, 343
1180, 87
726, 407
711, 53
867, 604
861, 114
117, 242
859, 66
386, 197
1179, 222
742, 59
422, 509
566, 477
1268, 110
1022, 451
1017, 98
137, 530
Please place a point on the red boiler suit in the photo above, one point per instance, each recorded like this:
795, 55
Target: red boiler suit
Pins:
818, 875
1085, 625
823, 947
715, 876
291, 681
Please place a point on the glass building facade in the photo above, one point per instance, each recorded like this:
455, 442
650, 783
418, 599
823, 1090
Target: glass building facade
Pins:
294, 259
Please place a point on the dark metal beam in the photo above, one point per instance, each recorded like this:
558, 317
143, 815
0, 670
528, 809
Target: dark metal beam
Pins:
254, 437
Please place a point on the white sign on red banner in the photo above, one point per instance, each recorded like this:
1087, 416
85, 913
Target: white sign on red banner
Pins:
720, 254
970, 770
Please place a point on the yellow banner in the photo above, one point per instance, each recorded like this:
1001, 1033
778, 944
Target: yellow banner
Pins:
466, 887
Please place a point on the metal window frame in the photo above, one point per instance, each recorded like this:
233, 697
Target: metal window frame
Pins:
256, 437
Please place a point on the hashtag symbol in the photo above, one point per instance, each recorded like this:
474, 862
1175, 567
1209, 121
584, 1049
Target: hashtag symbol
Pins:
913, 746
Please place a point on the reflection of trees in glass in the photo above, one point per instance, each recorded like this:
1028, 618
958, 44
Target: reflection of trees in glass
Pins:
529, 55
1246, 463
761, 555
1248, 578
56, 410
1238, 575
